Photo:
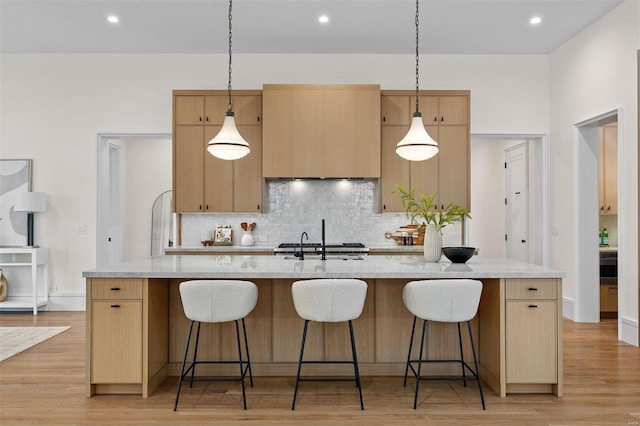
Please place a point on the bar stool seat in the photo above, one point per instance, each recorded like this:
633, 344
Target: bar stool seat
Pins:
446, 301
329, 300
214, 301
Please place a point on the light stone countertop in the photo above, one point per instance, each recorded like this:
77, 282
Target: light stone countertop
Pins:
223, 266
377, 249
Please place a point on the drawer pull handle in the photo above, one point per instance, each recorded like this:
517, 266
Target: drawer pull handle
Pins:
533, 306
533, 289
115, 306
115, 288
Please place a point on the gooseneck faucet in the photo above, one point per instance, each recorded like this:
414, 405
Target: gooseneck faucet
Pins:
324, 245
304, 234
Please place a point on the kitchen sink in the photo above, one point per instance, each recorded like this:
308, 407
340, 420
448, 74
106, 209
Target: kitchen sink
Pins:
329, 257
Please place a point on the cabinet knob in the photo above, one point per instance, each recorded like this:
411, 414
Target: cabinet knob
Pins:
115, 306
206, 207
115, 288
442, 119
258, 119
258, 208
200, 206
200, 119
533, 289
206, 119
533, 306
384, 207
609, 208
601, 207
435, 119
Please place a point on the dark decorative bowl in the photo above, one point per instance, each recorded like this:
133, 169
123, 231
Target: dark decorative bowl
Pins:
458, 254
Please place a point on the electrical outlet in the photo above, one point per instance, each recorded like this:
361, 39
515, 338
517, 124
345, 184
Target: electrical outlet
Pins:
81, 229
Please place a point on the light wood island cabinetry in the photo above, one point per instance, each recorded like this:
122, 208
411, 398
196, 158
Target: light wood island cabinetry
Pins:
202, 182
445, 115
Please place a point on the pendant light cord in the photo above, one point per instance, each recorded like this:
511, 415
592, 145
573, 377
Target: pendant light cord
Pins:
229, 105
417, 59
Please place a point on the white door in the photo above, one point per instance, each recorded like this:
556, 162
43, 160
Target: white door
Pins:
114, 237
517, 203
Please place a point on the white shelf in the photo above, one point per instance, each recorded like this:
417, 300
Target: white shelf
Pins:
32, 257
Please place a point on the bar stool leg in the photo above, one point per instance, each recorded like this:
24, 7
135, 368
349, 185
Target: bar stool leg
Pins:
415, 398
244, 397
356, 370
406, 370
304, 337
246, 347
464, 376
184, 362
195, 353
475, 362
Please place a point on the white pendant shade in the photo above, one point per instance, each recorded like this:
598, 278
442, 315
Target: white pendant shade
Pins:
417, 145
228, 144
30, 202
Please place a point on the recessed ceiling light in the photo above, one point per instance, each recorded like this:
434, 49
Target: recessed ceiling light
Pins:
323, 19
113, 19
535, 20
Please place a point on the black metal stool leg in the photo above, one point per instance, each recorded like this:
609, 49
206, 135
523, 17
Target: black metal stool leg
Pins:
184, 362
356, 370
464, 376
195, 353
406, 370
475, 362
304, 337
246, 347
415, 398
244, 396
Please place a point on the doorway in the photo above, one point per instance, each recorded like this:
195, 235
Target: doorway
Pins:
487, 228
127, 186
587, 212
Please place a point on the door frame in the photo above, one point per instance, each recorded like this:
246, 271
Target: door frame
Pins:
541, 148
507, 225
102, 186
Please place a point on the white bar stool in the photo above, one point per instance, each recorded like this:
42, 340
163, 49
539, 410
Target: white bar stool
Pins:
212, 301
442, 301
329, 300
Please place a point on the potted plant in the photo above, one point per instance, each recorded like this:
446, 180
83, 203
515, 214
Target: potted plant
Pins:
423, 212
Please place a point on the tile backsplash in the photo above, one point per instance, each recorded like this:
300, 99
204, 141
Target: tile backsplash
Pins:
350, 209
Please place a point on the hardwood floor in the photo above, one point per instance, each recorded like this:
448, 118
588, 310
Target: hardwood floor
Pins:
45, 384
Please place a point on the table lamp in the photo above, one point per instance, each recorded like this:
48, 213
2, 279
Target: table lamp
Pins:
30, 202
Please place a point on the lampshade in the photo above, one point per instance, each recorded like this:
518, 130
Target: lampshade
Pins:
30, 202
417, 145
228, 144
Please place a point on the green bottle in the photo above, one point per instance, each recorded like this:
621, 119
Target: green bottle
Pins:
605, 236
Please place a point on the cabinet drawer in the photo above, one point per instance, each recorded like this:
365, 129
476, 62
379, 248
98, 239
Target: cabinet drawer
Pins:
531, 289
116, 289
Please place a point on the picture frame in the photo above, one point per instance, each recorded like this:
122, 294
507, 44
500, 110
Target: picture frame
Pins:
15, 177
223, 236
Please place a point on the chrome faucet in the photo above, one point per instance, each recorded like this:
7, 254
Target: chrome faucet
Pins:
324, 245
304, 234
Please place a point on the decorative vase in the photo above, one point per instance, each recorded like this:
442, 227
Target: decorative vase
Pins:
432, 243
247, 239
4, 287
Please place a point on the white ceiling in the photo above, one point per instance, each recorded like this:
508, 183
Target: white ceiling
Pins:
291, 26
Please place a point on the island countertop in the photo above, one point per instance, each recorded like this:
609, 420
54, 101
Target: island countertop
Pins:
223, 266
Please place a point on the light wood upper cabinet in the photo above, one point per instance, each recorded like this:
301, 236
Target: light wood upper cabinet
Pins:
608, 170
321, 131
202, 182
445, 115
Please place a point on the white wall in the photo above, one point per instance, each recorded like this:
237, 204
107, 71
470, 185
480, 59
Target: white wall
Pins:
53, 106
594, 73
147, 174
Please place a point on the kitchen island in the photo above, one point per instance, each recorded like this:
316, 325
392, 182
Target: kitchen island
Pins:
136, 329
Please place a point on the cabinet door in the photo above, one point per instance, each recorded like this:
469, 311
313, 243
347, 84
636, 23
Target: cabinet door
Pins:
248, 109
453, 110
218, 177
215, 108
189, 110
531, 341
428, 108
611, 169
608, 298
453, 165
424, 174
395, 110
188, 169
247, 173
116, 341
395, 169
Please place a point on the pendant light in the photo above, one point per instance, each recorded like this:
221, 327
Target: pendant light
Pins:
228, 144
417, 145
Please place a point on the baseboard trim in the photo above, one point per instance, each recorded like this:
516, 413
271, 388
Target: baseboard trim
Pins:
567, 308
66, 301
628, 331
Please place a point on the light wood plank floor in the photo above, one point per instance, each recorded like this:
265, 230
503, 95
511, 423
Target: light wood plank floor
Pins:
45, 384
